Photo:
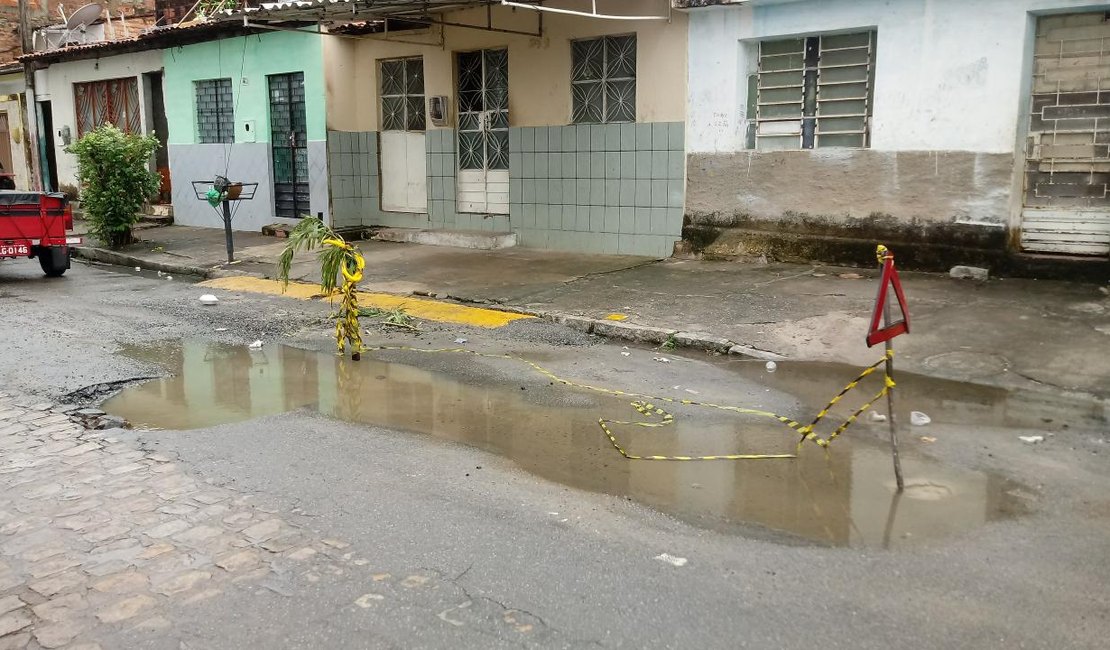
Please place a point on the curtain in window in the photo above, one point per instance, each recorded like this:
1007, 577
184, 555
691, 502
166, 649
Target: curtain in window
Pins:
113, 101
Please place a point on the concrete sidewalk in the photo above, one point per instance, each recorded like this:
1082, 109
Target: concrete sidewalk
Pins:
1020, 333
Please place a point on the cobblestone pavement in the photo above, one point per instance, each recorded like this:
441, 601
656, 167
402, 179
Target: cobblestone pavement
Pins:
99, 538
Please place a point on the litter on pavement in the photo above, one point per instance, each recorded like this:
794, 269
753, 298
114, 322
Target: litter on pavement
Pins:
919, 419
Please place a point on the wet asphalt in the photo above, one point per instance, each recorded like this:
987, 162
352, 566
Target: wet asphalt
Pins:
488, 554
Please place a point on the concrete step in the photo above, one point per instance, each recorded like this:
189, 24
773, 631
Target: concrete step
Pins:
157, 219
478, 239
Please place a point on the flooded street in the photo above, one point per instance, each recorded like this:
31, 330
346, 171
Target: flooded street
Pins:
845, 496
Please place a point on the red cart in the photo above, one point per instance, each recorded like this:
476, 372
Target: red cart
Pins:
34, 224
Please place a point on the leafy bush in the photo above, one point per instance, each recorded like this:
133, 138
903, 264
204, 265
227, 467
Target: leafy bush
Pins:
114, 170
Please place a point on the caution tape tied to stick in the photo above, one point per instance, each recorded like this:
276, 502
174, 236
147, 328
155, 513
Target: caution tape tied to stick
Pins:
646, 405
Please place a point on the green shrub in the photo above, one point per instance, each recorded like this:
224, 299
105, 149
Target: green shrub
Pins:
113, 168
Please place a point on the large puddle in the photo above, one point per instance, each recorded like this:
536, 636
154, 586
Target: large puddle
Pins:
843, 497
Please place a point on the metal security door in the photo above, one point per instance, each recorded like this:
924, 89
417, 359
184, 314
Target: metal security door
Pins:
288, 143
1067, 159
483, 85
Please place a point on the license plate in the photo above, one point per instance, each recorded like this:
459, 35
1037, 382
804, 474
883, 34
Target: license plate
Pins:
21, 249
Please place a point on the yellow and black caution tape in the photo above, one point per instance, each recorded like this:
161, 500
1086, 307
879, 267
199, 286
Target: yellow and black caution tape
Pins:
645, 405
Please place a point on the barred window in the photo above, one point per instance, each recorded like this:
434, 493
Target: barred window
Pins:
814, 92
603, 79
215, 111
402, 92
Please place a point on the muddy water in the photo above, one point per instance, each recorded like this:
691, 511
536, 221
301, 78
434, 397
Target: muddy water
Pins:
844, 497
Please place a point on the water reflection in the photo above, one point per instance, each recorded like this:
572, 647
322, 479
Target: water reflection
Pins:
844, 497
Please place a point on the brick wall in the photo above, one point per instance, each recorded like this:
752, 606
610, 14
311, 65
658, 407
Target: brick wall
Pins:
45, 12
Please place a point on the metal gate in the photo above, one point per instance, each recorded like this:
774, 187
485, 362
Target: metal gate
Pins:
288, 143
1067, 159
483, 84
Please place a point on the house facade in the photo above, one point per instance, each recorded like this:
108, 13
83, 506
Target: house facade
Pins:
959, 130
564, 129
77, 92
252, 109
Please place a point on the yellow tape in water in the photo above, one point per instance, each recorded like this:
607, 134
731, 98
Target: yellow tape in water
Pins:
645, 405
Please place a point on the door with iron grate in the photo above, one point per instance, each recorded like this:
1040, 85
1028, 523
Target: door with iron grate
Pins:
1067, 158
288, 143
483, 85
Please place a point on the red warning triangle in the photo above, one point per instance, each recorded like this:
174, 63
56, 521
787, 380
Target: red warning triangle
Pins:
889, 278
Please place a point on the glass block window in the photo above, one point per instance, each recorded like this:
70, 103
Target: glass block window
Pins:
402, 92
215, 111
815, 91
603, 79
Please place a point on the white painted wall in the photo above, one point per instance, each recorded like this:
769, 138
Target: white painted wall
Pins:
55, 84
950, 74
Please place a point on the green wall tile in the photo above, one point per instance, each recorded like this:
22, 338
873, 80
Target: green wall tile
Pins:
659, 162
628, 220
644, 196
676, 164
612, 137
612, 165
582, 221
582, 165
612, 219
676, 138
660, 136
612, 193
628, 137
597, 218
569, 136
627, 193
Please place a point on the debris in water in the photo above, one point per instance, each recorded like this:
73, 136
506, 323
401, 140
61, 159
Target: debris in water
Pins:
919, 419
662, 359
928, 439
617, 317
169, 277
364, 601
692, 391
850, 276
875, 416
138, 268
460, 341
221, 329
671, 559
1031, 440
626, 354
209, 299
257, 345
772, 366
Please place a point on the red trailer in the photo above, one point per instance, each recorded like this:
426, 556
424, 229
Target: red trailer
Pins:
34, 224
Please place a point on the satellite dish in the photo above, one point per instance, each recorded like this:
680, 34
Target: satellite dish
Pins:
84, 16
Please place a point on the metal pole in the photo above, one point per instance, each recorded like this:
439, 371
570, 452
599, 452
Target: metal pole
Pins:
890, 394
227, 231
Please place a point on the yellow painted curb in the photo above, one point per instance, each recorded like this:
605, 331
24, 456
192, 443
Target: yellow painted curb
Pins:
423, 308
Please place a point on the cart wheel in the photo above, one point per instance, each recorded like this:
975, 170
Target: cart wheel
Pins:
54, 261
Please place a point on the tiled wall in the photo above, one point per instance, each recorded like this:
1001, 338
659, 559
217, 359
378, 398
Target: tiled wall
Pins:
353, 171
612, 188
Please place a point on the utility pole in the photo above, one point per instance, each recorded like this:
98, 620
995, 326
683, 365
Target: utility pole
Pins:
30, 106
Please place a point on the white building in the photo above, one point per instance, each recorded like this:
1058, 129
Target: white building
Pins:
948, 129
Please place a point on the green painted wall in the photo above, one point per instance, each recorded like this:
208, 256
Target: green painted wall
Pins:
257, 56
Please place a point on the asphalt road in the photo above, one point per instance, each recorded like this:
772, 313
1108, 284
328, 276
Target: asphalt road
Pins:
444, 554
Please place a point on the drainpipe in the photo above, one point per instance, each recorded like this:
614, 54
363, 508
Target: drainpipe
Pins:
30, 108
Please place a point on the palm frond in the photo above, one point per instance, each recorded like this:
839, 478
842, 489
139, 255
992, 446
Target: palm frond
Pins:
308, 235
